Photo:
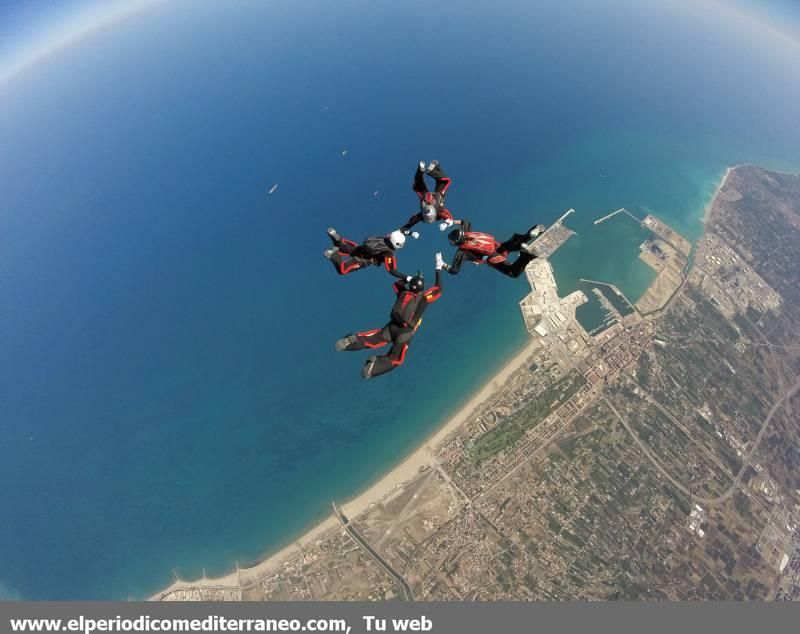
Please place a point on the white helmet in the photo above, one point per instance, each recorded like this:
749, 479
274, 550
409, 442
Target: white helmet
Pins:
397, 239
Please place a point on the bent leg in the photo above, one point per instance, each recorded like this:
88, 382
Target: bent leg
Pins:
346, 246
367, 339
375, 366
344, 265
514, 269
517, 240
419, 185
442, 180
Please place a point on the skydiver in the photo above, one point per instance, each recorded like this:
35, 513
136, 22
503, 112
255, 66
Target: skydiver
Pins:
405, 318
347, 256
431, 204
475, 246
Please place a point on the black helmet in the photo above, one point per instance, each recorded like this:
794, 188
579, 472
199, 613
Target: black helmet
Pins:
417, 283
456, 236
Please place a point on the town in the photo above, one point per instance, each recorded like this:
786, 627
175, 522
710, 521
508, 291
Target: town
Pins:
653, 458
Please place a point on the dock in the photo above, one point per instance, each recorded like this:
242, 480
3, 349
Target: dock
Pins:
614, 288
564, 215
553, 237
621, 210
607, 216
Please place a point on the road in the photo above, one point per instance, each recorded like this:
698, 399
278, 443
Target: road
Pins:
646, 450
737, 480
708, 453
786, 394
359, 539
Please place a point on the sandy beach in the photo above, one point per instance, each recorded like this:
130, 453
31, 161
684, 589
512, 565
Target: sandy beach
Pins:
713, 198
421, 457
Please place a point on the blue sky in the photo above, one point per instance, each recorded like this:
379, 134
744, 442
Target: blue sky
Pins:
782, 14
30, 30
30, 27
24, 20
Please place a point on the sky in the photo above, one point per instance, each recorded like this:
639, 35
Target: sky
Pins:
33, 30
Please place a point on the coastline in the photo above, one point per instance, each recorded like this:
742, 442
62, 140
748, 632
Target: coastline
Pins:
421, 457
403, 471
710, 204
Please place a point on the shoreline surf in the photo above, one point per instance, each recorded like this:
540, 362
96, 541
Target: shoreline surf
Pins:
402, 472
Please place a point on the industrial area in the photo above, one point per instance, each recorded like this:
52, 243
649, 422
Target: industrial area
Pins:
654, 459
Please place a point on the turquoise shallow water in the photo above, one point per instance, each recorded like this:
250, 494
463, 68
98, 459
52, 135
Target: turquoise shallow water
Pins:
170, 396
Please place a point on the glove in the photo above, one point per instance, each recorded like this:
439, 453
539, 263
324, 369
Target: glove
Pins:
444, 226
439, 262
422, 166
415, 234
408, 278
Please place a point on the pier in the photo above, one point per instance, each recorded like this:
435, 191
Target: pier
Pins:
607, 216
621, 210
553, 237
616, 290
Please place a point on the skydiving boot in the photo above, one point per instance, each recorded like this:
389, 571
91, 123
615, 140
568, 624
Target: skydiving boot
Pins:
369, 366
536, 231
335, 237
345, 342
328, 253
530, 247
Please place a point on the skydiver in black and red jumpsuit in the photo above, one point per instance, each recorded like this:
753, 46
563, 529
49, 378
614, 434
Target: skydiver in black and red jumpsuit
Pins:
347, 256
431, 204
482, 248
405, 318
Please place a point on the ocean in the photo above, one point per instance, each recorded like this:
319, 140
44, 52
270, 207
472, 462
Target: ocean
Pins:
170, 399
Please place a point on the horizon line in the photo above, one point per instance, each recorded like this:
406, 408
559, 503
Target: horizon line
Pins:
70, 32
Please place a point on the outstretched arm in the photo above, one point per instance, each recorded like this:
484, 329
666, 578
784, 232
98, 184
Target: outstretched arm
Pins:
447, 220
406, 228
435, 291
390, 262
455, 267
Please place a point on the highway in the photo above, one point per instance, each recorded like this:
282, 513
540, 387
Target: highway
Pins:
359, 539
737, 481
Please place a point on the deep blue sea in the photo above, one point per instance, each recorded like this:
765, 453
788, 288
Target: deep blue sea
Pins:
170, 399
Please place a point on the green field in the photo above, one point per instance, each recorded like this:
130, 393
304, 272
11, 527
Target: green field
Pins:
514, 427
